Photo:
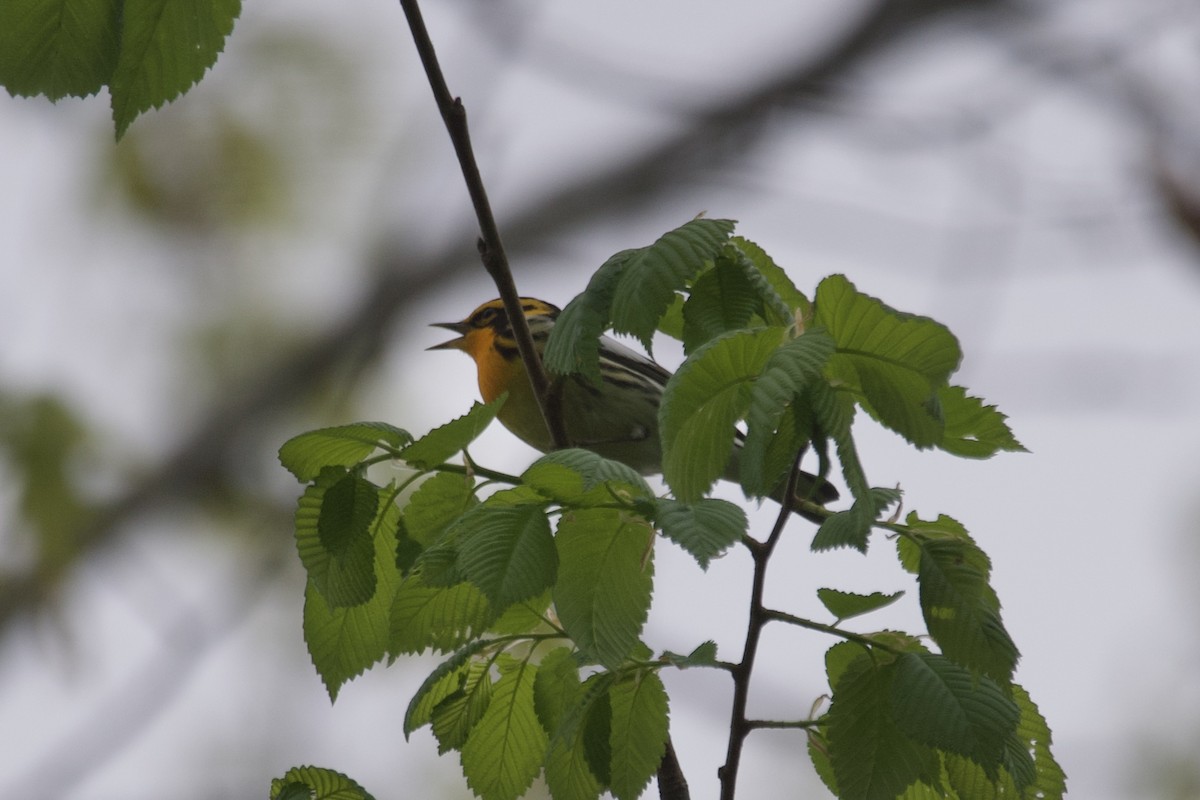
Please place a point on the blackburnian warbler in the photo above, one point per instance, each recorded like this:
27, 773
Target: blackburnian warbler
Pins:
617, 420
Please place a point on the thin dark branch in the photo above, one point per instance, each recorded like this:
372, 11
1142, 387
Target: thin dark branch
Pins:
739, 725
491, 248
671, 783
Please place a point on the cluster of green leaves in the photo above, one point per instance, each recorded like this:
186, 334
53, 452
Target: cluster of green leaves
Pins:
145, 53
537, 586
538, 592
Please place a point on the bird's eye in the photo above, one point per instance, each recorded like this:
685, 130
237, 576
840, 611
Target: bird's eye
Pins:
484, 318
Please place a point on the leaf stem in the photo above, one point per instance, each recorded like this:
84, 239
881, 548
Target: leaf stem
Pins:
760, 552
491, 248
850, 636
475, 469
776, 724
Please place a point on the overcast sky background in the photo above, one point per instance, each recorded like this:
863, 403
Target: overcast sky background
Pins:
1003, 173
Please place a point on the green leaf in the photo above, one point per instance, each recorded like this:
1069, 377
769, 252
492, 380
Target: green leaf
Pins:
872, 758
705, 529
58, 48
453, 719
633, 291
838, 659
345, 641
437, 502
786, 378
166, 46
701, 403
438, 617
834, 413
503, 753
605, 576
574, 343
844, 529
333, 536
581, 477
960, 608
439, 444
703, 655
671, 323
556, 691
1029, 769
556, 688
438, 685
1033, 741
524, 617
781, 299
440, 500
721, 300
652, 275
638, 736
844, 605
317, 783
507, 551
973, 430
308, 453
944, 705
818, 753
895, 362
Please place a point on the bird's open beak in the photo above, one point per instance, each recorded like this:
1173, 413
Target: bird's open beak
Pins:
460, 328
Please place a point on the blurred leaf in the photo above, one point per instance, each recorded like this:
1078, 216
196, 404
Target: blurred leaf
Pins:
604, 583
439, 444
345, 445
43, 440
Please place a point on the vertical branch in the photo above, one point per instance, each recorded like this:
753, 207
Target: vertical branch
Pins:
760, 552
671, 783
491, 249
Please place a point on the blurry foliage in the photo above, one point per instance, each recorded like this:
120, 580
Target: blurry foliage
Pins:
41, 441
